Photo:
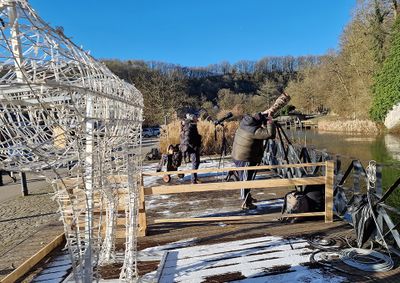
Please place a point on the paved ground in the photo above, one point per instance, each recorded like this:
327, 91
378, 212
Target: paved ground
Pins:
11, 190
26, 223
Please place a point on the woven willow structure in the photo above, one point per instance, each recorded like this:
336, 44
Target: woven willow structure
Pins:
66, 116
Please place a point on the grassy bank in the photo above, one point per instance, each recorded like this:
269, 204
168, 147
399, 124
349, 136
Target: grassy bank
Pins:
336, 124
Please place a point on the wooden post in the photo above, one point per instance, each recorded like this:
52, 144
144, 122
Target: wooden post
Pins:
329, 183
142, 210
24, 185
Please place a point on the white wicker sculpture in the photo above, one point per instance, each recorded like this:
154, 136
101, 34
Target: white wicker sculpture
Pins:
65, 115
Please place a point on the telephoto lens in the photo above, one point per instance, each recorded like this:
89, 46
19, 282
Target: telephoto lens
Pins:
280, 102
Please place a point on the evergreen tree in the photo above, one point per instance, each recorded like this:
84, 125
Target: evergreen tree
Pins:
386, 88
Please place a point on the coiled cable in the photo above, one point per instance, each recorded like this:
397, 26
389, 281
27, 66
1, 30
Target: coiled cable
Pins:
366, 260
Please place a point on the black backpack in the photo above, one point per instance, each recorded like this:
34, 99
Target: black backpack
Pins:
176, 159
295, 202
316, 197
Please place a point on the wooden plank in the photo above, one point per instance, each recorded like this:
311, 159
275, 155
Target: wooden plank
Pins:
121, 221
221, 186
206, 219
78, 182
216, 170
120, 233
305, 214
142, 211
32, 261
231, 218
329, 183
117, 179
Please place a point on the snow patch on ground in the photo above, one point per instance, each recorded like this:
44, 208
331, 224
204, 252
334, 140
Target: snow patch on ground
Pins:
154, 180
156, 253
271, 259
165, 202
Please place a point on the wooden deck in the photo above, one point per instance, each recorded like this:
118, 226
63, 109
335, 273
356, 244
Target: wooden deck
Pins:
265, 224
223, 206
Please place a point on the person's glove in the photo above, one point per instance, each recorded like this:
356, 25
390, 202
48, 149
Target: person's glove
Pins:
269, 120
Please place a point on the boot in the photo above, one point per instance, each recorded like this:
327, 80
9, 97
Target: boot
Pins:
248, 204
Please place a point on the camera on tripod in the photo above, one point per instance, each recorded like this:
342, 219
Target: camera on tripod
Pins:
224, 145
220, 121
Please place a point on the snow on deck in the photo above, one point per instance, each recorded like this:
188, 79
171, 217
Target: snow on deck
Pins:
56, 270
209, 163
271, 259
165, 205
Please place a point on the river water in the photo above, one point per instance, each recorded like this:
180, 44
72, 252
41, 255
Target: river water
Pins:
384, 149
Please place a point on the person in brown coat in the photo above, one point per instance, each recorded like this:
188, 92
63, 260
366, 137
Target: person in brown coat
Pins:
248, 148
248, 144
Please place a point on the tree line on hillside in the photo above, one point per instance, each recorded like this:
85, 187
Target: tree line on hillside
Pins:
353, 75
243, 87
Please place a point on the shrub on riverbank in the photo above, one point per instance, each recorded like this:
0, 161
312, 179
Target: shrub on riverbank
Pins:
386, 88
349, 126
207, 131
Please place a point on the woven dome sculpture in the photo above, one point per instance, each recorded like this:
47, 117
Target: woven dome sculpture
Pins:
66, 116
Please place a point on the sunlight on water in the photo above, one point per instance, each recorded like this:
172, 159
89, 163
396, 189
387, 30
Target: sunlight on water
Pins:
384, 149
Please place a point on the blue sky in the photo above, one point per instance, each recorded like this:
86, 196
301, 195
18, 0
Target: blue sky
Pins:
199, 32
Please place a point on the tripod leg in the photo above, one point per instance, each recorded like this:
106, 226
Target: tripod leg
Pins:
223, 152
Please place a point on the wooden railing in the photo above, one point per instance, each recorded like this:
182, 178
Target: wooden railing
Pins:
327, 180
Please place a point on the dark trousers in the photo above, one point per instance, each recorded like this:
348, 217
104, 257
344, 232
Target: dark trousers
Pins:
166, 160
245, 175
195, 158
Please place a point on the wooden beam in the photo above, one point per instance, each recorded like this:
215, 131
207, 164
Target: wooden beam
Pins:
120, 233
70, 183
215, 170
33, 260
221, 186
206, 219
142, 230
305, 214
329, 183
232, 218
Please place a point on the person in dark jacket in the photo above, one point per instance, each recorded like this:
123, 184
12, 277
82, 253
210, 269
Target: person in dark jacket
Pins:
191, 143
248, 148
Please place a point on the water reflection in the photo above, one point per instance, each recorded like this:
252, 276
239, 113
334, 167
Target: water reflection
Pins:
346, 145
392, 144
385, 149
